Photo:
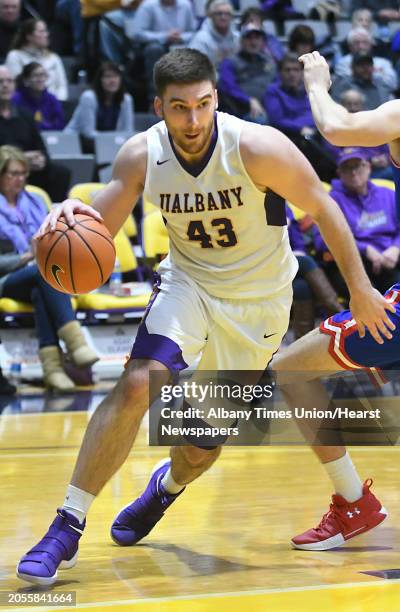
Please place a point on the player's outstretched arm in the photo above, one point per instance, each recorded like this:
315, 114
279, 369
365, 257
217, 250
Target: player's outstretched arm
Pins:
273, 162
336, 124
113, 203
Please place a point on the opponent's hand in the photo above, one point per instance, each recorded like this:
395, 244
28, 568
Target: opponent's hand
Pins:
316, 70
66, 209
368, 308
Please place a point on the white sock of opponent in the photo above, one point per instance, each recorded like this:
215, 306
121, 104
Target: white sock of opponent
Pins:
170, 485
77, 502
344, 477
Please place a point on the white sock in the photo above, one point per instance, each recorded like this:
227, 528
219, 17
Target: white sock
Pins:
345, 479
170, 485
77, 502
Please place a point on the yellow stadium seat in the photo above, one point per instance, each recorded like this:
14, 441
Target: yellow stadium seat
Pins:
124, 252
155, 236
383, 183
105, 301
148, 207
86, 193
40, 192
8, 305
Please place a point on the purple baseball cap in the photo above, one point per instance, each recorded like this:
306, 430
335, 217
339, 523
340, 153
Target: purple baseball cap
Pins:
352, 153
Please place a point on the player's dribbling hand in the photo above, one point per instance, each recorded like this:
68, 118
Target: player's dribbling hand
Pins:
316, 70
66, 209
369, 309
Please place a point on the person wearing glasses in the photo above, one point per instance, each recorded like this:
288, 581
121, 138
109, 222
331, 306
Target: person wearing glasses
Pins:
21, 214
33, 97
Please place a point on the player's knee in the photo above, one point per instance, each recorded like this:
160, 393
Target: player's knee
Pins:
140, 383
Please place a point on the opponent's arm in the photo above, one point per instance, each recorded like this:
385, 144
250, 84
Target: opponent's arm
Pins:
273, 162
336, 124
113, 203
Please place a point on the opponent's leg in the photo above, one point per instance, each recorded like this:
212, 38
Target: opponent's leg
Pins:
107, 442
354, 509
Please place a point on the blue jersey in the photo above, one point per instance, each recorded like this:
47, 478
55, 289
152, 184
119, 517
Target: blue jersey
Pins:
354, 353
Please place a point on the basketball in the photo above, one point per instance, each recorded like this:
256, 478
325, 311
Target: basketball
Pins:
76, 259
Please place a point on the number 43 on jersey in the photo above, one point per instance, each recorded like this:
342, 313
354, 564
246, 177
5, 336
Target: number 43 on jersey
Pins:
225, 233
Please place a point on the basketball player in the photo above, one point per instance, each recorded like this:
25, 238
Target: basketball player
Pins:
225, 290
336, 345
364, 129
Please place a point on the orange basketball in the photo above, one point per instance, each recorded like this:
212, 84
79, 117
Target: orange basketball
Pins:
76, 259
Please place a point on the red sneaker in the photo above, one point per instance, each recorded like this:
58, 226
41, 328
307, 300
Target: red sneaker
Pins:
343, 521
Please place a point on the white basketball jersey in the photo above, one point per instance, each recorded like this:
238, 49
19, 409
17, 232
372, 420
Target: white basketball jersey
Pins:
226, 234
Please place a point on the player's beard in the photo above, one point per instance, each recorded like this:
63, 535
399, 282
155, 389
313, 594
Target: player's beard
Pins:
198, 145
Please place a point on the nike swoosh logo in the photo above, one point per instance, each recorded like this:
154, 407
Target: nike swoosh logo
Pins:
269, 335
160, 163
55, 269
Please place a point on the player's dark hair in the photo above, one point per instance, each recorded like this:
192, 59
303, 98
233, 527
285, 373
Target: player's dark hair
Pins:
182, 67
97, 84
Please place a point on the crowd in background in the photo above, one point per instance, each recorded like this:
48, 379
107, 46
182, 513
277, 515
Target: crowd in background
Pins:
86, 67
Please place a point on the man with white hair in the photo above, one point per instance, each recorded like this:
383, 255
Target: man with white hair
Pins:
217, 37
360, 42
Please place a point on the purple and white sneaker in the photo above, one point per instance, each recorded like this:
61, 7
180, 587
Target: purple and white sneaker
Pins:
57, 549
137, 519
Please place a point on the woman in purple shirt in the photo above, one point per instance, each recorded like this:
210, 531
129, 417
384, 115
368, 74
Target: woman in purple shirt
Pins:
21, 214
32, 96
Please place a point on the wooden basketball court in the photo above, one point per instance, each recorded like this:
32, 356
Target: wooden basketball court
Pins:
223, 545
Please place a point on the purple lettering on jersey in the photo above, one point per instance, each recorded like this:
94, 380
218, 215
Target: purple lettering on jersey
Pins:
199, 202
224, 198
236, 192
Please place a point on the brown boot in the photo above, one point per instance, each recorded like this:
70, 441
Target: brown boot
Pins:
53, 373
80, 352
302, 317
323, 291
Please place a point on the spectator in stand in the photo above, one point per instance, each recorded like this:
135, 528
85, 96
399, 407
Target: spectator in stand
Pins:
69, 12
21, 214
310, 285
160, 25
245, 77
272, 45
32, 96
360, 42
17, 128
364, 79
302, 40
363, 18
280, 11
217, 37
288, 109
379, 157
382, 10
10, 19
370, 211
31, 44
112, 39
104, 108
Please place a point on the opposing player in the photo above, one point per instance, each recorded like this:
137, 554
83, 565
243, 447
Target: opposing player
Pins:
336, 345
364, 129
225, 290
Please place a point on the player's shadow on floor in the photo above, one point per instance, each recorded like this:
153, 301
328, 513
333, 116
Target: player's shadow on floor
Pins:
200, 564
37, 588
